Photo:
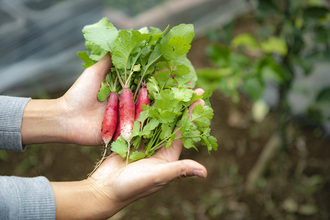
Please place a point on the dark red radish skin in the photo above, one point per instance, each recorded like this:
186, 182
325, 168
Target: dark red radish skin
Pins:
117, 132
110, 118
142, 99
126, 114
109, 124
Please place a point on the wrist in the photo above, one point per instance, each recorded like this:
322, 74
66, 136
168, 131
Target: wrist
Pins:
105, 205
41, 122
82, 200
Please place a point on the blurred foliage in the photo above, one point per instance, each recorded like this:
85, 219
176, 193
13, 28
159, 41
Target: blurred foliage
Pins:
3, 155
29, 161
41, 4
131, 7
291, 36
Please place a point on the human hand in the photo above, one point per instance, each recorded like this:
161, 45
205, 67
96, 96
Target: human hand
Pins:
115, 184
82, 112
76, 117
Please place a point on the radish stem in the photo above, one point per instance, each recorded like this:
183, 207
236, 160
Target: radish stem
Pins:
121, 82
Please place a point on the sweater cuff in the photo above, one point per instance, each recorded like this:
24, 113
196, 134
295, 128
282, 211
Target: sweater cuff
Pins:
11, 114
27, 198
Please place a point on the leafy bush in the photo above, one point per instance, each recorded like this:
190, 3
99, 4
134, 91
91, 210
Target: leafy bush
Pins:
291, 36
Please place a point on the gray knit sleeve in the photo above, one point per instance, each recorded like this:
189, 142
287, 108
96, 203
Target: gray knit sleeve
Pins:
26, 198
20, 197
11, 113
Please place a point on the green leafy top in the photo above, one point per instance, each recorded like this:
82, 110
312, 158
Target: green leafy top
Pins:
146, 48
158, 59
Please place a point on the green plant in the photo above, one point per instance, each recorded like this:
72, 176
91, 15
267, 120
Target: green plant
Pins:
290, 37
156, 60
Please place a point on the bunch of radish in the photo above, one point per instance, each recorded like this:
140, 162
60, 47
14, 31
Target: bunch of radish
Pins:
120, 121
148, 90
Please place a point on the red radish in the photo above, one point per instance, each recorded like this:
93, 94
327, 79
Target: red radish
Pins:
109, 124
117, 132
110, 118
142, 99
126, 114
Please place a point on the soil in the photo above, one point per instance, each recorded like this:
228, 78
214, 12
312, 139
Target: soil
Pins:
295, 184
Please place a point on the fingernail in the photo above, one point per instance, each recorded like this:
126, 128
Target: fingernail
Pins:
199, 173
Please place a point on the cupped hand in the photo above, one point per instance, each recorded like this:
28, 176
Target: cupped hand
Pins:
116, 183
82, 112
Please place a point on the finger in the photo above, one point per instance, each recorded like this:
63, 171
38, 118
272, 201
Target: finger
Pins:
174, 152
102, 67
199, 91
181, 169
92, 77
191, 108
200, 101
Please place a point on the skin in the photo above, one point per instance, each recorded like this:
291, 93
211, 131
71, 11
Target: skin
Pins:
76, 117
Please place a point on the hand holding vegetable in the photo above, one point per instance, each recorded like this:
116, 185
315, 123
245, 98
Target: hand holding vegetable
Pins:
115, 184
83, 112
150, 131
154, 79
75, 117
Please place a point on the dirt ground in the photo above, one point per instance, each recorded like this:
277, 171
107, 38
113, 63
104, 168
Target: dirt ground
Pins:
295, 184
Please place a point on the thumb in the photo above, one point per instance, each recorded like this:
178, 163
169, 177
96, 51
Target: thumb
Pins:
92, 77
102, 67
183, 168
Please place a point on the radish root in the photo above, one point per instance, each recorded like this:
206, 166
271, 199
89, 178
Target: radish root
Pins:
98, 164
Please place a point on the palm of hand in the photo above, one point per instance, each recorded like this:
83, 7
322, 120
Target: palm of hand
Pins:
115, 181
125, 183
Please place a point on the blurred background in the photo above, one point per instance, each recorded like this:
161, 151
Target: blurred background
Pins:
268, 62
40, 39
